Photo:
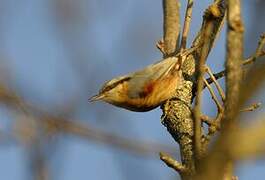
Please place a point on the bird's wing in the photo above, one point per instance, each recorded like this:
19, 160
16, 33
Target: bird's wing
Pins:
141, 79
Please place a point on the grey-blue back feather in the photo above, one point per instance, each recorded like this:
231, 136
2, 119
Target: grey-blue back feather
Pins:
150, 73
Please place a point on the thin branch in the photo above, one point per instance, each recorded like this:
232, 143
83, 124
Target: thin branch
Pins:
171, 162
219, 88
221, 163
160, 46
234, 60
234, 45
186, 26
61, 124
260, 47
171, 26
215, 99
253, 81
253, 107
213, 23
231, 146
88, 133
213, 124
38, 162
215, 14
259, 53
206, 119
209, 27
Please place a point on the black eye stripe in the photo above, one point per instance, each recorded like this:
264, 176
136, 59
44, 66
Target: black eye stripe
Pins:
109, 87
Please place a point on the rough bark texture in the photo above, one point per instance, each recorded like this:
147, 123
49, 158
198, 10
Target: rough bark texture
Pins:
177, 112
177, 116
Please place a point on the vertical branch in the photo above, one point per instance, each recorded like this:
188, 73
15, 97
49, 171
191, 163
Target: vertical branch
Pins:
234, 72
186, 26
171, 26
197, 108
211, 13
38, 163
177, 115
233, 60
219, 157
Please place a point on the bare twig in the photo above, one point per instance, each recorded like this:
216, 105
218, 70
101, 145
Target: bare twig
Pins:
186, 26
233, 62
213, 124
223, 150
88, 133
219, 88
61, 124
253, 58
252, 146
160, 46
215, 99
171, 162
259, 53
206, 119
260, 47
251, 108
235, 33
171, 26
224, 166
38, 162
209, 27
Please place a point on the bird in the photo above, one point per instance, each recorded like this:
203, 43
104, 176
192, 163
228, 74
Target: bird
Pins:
145, 89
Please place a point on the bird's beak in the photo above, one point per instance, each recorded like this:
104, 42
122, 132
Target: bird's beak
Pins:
96, 98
